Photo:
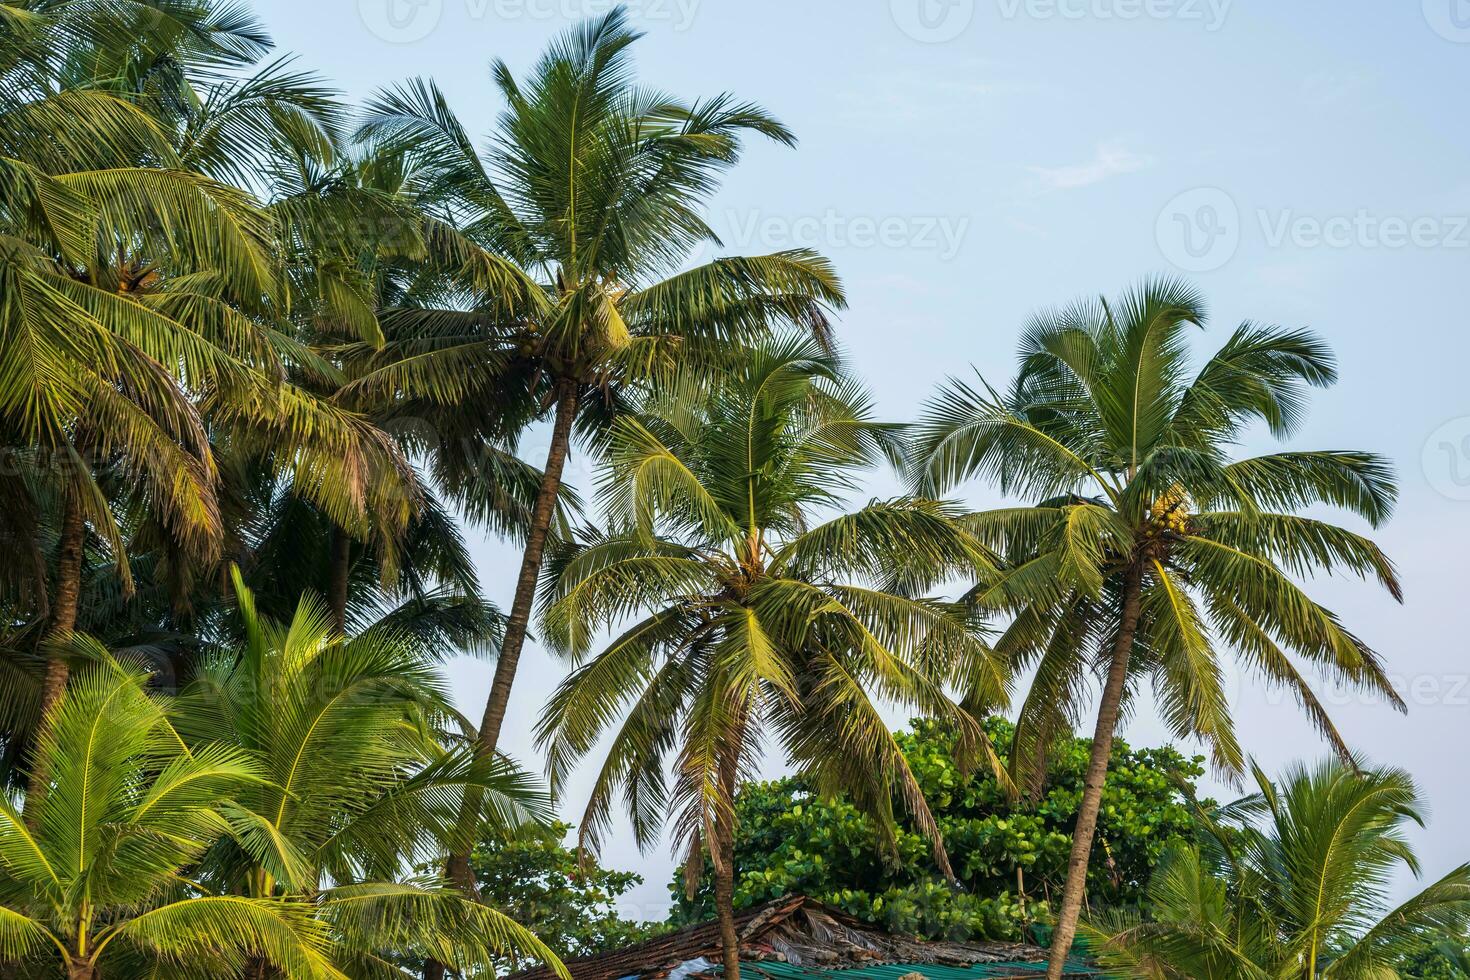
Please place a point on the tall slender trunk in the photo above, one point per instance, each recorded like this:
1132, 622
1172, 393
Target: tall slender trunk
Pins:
341, 569
1097, 772
520, 610
458, 868
725, 910
725, 869
65, 598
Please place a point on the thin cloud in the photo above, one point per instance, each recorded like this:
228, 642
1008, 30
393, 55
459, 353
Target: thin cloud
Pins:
1111, 160
1321, 89
923, 95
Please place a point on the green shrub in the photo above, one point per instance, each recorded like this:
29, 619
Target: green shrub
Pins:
792, 842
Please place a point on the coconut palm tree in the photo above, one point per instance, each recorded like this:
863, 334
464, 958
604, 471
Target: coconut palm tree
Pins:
592, 186
96, 874
1148, 553
1290, 884
137, 286
359, 783
92, 201
753, 618
369, 237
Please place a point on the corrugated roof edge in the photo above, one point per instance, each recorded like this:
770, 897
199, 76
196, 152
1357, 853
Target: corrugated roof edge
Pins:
790, 928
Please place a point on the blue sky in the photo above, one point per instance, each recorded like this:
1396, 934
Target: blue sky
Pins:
964, 162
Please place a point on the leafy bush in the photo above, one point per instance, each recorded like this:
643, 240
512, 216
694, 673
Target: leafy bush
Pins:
1010, 857
1438, 956
532, 876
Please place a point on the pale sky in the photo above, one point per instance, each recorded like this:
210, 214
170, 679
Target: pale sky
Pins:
964, 162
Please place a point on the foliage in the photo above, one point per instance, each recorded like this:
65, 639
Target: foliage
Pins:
588, 199
793, 841
97, 874
1291, 882
750, 619
359, 782
748, 625
1143, 554
1125, 455
572, 905
159, 371
251, 354
284, 791
1437, 955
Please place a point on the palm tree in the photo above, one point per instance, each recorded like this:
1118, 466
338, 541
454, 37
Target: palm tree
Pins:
372, 225
753, 620
96, 873
358, 783
1290, 884
137, 286
592, 186
93, 199
1148, 551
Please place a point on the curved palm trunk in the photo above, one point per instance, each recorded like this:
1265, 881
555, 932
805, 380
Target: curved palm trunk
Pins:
725, 872
1097, 772
725, 909
520, 610
65, 599
341, 569
458, 869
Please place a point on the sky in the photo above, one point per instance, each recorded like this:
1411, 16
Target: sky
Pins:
966, 162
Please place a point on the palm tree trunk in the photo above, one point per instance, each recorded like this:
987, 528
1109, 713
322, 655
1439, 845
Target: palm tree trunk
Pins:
65, 598
725, 869
725, 909
1097, 772
520, 610
78, 970
458, 869
338, 575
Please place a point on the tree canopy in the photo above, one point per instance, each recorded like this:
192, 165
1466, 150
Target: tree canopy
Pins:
794, 841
